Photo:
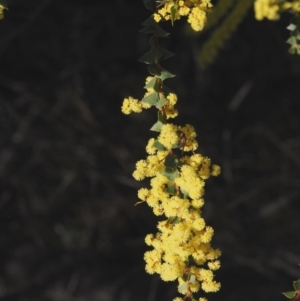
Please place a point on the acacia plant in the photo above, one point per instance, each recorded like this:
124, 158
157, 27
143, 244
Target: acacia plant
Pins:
181, 249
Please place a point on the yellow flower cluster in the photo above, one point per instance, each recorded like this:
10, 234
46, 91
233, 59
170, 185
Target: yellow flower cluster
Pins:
131, 104
181, 248
196, 10
271, 9
182, 245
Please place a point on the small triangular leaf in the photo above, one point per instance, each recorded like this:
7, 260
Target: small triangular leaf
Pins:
154, 69
292, 27
192, 279
182, 288
291, 40
173, 220
149, 22
156, 30
164, 74
157, 126
170, 175
152, 98
171, 162
161, 33
184, 192
296, 285
147, 30
166, 53
152, 42
171, 189
159, 146
162, 101
151, 57
167, 90
290, 295
152, 83
292, 50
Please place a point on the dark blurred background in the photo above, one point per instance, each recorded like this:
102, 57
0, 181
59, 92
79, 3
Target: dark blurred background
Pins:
69, 230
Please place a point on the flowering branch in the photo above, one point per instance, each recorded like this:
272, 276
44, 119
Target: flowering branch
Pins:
181, 247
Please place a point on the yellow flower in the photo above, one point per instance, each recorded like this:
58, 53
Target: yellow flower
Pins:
216, 170
266, 9
212, 286
199, 224
196, 11
214, 265
197, 18
149, 148
131, 105
207, 235
143, 194
168, 135
197, 203
157, 17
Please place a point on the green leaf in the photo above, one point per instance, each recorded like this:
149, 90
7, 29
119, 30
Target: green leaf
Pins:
171, 162
147, 30
291, 40
166, 74
171, 189
151, 57
3, 3
290, 295
167, 90
162, 101
152, 84
159, 146
174, 220
192, 279
184, 192
292, 27
161, 117
149, 21
156, 30
157, 126
173, 13
152, 98
182, 288
296, 284
149, 4
170, 175
292, 50
166, 53
152, 42
160, 32
154, 69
